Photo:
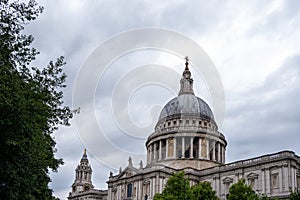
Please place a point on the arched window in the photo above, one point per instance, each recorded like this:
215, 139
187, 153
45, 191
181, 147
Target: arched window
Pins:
129, 190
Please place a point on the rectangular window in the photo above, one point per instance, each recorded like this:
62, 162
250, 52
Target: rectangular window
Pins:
129, 190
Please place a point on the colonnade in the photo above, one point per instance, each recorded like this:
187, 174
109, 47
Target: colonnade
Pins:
186, 147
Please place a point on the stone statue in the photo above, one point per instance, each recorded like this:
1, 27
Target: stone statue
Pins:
129, 161
141, 164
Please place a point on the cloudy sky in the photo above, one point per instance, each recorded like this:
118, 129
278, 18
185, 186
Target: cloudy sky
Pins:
121, 78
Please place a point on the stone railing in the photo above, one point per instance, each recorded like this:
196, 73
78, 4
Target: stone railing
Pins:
185, 128
254, 161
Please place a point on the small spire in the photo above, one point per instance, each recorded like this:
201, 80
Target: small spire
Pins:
84, 154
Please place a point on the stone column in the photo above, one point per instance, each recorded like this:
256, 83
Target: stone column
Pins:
175, 147
280, 178
160, 185
151, 152
199, 147
154, 151
148, 154
183, 147
150, 188
223, 154
167, 149
157, 183
207, 148
153, 187
219, 152
293, 177
214, 150
160, 149
139, 190
267, 182
263, 190
192, 148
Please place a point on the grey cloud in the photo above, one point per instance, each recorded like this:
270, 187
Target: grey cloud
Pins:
267, 117
280, 22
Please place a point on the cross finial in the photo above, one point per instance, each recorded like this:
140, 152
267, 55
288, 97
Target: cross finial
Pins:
186, 63
187, 59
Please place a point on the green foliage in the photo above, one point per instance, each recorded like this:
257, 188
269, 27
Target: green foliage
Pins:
263, 197
295, 195
31, 108
241, 191
178, 188
203, 191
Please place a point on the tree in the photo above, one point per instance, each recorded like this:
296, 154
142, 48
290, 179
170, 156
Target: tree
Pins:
177, 188
241, 191
203, 191
295, 195
31, 108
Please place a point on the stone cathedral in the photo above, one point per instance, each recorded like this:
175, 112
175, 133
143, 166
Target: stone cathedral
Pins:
186, 138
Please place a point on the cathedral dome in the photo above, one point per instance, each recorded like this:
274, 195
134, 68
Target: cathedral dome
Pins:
186, 134
186, 105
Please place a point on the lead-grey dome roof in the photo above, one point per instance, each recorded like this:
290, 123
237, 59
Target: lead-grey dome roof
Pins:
186, 104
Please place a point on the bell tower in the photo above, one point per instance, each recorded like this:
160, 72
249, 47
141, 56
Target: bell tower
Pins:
83, 176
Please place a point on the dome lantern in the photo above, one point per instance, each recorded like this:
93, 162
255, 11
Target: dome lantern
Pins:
186, 82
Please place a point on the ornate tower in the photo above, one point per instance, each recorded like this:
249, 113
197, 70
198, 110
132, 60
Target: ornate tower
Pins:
186, 134
83, 176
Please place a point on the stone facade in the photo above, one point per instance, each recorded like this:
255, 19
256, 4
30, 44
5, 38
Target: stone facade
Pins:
186, 138
273, 175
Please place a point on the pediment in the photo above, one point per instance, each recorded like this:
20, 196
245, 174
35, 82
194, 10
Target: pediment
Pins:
228, 180
252, 176
128, 172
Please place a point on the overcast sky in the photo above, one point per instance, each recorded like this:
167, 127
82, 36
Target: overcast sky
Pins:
254, 46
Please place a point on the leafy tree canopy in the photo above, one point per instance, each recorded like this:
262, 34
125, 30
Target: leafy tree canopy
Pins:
31, 107
295, 195
203, 191
178, 188
241, 191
